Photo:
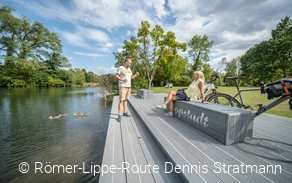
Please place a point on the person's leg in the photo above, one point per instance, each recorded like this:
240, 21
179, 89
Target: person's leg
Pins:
171, 104
126, 113
120, 108
126, 103
170, 113
170, 97
122, 95
125, 106
121, 100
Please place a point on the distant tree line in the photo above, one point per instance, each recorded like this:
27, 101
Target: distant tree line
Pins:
31, 55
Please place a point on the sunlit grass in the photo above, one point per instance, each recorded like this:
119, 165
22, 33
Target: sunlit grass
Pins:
251, 98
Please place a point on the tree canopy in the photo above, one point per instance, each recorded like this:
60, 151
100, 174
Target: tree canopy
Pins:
271, 59
199, 48
33, 55
150, 49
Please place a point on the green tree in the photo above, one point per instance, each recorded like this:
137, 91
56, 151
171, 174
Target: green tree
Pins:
230, 71
29, 48
207, 70
66, 76
270, 60
171, 68
282, 42
89, 76
71, 76
9, 29
53, 82
187, 74
149, 48
79, 77
199, 48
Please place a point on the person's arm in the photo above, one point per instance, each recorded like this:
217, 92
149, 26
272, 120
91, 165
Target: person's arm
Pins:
135, 75
201, 88
119, 78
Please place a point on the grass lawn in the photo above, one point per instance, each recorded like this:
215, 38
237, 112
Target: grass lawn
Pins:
250, 98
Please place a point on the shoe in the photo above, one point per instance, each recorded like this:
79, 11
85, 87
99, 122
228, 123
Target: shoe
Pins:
119, 118
168, 114
127, 114
163, 106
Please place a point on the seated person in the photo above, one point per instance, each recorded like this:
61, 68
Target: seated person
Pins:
187, 94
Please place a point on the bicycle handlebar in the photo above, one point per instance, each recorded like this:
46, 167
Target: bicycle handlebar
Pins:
213, 80
262, 85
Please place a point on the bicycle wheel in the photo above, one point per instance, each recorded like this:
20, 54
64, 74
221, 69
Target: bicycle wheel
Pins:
224, 99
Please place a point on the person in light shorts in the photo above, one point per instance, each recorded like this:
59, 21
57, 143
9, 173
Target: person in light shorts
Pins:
124, 75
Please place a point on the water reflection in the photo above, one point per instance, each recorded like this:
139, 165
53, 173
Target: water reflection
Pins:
27, 135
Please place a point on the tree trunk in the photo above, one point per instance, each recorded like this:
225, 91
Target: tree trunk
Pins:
149, 83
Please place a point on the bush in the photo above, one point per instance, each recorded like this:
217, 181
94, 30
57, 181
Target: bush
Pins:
183, 81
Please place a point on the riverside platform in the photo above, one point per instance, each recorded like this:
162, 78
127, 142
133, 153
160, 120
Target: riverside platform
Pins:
149, 147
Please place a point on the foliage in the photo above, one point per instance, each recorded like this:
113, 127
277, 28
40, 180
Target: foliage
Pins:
207, 70
33, 55
149, 50
199, 48
108, 83
54, 81
184, 80
170, 69
270, 60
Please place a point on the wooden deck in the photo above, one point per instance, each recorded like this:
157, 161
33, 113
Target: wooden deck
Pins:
149, 138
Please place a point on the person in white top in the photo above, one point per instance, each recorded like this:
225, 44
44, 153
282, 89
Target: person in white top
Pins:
190, 93
124, 75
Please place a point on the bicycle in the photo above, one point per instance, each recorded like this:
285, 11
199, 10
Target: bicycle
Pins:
229, 100
210, 87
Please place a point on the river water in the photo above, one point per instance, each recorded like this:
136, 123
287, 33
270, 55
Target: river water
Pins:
50, 146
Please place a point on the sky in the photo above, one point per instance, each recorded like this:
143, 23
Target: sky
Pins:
91, 30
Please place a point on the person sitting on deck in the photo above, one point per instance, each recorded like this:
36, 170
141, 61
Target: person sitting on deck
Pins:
187, 94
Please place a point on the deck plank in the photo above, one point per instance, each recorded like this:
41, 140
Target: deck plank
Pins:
284, 133
134, 155
113, 151
153, 153
272, 141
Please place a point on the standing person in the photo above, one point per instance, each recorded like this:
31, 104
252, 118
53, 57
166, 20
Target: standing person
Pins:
190, 93
124, 75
